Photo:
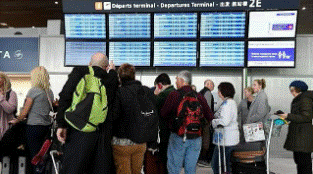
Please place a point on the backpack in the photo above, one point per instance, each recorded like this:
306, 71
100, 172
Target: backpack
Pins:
89, 105
189, 119
145, 119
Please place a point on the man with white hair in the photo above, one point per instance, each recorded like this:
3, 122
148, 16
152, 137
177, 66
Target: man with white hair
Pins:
207, 145
183, 150
88, 152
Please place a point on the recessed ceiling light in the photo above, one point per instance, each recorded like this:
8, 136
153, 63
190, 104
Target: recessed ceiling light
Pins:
303, 8
56, 2
3, 24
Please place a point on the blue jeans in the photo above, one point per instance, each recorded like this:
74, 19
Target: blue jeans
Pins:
182, 153
215, 159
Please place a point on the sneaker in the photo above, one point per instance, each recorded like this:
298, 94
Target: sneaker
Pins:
205, 164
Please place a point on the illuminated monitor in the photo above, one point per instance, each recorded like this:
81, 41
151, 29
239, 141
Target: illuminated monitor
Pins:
175, 25
79, 53
85, 26
222, 54
271, 54
129, 26
135, 53
271, 24
223, 25
175, 54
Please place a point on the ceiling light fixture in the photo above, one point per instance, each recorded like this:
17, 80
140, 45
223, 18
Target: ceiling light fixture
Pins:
56, 2
303, 8
33, 26
3, 24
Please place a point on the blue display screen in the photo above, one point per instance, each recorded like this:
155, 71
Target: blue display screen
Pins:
229, 54
223, 25
175, 54
129, 26
87, 26
271, 53
135, 53
175, 25
79, 53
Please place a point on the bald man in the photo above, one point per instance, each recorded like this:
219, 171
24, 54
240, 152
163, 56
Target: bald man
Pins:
87, 152
207, 146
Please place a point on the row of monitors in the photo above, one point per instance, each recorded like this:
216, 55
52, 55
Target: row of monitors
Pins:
262, 24
185, 53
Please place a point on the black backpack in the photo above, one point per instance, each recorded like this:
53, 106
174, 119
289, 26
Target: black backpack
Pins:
146, 121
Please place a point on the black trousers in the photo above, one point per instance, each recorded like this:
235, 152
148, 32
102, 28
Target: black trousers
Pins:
303, 161
88, 153
35, 137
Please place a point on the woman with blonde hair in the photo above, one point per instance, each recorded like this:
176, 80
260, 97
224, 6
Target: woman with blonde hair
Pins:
37, 107
8, 103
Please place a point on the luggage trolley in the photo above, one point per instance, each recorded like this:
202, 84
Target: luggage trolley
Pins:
257, 161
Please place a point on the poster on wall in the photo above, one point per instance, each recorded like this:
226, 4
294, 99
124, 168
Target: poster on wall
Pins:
18, 54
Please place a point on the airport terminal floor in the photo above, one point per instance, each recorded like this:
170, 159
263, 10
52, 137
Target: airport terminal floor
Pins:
277, 166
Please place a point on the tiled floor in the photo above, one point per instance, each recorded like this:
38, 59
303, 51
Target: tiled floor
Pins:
277, 166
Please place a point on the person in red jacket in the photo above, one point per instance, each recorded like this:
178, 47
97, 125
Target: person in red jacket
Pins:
180, 150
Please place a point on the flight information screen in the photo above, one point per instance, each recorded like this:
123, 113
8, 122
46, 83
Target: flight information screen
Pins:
270, 24
79, 53
223, 25
135, 53
225, 54
175, 54
175, 25
271, 54
87, 26
129, 26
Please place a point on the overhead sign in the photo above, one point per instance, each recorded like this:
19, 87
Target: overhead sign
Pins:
109, 6
18, 54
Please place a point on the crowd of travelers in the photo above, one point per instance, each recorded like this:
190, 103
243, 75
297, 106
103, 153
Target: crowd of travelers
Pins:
108, 122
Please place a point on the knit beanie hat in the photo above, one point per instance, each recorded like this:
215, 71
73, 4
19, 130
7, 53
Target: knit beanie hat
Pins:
299, 84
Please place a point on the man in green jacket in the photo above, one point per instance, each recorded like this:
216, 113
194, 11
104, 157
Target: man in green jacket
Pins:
163, 88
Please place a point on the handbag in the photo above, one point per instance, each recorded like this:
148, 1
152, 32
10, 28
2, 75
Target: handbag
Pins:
254, 132
39, 157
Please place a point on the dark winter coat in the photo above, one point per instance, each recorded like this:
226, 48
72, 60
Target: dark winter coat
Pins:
300, 132
126, 120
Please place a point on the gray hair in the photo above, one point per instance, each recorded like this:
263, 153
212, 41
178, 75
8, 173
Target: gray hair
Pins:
186, 75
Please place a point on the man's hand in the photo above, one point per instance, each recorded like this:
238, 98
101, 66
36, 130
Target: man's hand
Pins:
157, 91
111, 66
61, 134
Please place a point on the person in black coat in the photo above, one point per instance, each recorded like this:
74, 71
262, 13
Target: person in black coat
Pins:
135, 122
88, 152
299, 137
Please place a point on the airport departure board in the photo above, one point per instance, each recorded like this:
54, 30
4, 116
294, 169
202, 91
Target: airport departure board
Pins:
85, 26
175, 25
184, 38
223, 25
225, 54
175, 54
79, 53
129, 26
135, 53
